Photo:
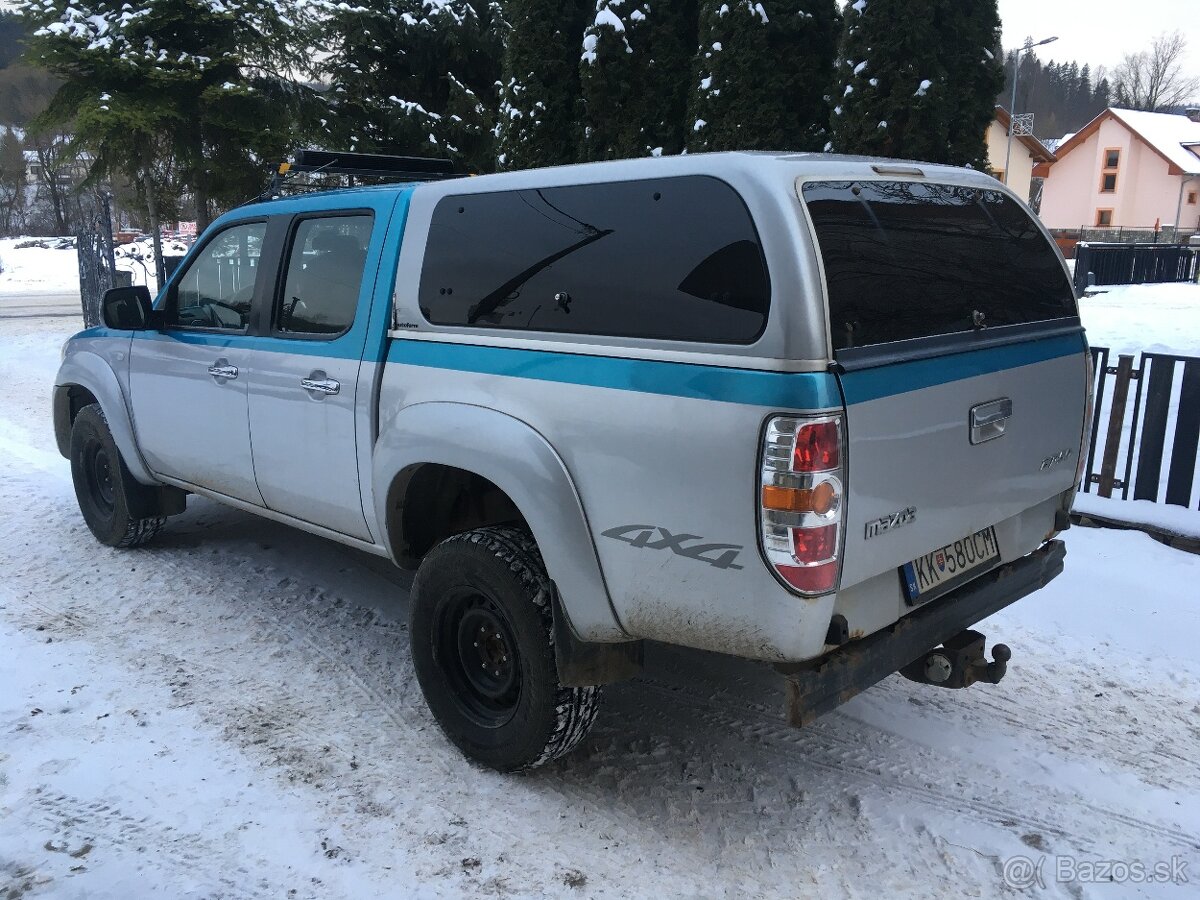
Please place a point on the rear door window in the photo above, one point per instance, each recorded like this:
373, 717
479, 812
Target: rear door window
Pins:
324, 275
671, 258
908, 260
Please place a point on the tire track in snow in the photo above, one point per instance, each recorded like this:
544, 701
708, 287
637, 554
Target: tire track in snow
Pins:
834, 755
308, 623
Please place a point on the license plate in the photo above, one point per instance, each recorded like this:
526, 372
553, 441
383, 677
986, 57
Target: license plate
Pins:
947, 567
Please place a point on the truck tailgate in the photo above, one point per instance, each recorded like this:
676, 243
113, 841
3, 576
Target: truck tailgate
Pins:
909, 435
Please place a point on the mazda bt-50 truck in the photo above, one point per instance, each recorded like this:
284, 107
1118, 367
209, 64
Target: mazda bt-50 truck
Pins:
819, 411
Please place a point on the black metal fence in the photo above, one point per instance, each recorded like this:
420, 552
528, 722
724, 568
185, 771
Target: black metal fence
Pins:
1134, 264
1155, 442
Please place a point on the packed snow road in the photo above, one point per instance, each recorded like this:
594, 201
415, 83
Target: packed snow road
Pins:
232, 712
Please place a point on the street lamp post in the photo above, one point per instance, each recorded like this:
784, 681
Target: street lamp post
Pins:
1012, 107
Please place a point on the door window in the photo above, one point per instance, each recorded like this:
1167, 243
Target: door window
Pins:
324, 276
216, 290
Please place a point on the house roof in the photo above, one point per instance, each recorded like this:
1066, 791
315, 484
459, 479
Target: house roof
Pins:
1039, 151
1174, 138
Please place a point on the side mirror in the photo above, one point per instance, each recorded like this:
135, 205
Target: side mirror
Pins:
127, 308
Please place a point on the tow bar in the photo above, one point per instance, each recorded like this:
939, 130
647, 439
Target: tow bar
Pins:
959, 663
957, 659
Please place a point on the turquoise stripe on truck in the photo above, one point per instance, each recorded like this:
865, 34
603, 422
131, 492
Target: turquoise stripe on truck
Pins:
753, 387
901, 378
779, 390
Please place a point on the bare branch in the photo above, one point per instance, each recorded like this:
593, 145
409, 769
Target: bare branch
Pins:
1154, 79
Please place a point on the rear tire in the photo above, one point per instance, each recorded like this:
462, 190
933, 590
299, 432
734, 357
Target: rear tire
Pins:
106, 490
482, 636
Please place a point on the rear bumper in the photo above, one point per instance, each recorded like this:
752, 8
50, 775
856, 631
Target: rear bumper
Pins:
816, 687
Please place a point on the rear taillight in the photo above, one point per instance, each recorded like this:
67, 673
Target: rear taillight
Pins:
801, 499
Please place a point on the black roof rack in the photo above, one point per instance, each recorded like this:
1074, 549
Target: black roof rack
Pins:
378, 165
370, 166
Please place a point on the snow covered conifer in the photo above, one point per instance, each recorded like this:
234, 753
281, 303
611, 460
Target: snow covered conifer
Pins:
191, 87
415, 77
917, 79
763, 68
540, 103
634, 71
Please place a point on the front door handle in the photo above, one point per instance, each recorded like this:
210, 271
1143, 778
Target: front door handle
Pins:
221, 369
320, 385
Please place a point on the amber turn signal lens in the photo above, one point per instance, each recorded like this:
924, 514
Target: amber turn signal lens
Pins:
785, 499
820, 500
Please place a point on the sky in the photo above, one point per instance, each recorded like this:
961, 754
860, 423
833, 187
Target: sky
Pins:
1099, 32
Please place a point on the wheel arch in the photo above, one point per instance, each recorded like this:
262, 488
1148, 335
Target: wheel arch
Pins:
423, 446
87, 377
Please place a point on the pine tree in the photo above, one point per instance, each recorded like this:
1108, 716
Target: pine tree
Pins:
12, 183
762, 73
414, 77
634, 73
540, 96
918, 79
186, 87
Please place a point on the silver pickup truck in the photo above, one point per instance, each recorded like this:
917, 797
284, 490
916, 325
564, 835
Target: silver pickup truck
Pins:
820, 411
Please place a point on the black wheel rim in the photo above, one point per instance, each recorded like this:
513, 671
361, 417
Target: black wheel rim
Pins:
98, 475
477, 654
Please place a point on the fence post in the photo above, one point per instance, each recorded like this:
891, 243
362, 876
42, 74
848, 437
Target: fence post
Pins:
1116, 418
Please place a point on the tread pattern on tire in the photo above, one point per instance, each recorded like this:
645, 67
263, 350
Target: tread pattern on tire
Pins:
138, 531
575, 707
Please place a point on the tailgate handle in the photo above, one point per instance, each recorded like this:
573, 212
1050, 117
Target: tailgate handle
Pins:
988, 420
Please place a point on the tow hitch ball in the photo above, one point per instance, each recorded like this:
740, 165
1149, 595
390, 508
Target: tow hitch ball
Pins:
959, 663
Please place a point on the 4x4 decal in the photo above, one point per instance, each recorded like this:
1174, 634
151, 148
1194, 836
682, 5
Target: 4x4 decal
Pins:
655, 537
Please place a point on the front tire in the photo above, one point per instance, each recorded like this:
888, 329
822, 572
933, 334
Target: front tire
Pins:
107, 492
482, 636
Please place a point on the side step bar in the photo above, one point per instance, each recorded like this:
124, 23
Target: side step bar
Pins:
815, 688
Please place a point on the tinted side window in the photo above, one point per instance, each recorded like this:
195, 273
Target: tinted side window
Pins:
216, 290
324, 275
671, 258
909, 260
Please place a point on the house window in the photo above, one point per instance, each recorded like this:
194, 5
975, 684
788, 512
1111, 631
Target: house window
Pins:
1103, 218
1108, 175
1191, 198
999, 174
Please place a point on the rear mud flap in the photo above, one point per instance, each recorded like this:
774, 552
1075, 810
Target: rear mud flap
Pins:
815, 688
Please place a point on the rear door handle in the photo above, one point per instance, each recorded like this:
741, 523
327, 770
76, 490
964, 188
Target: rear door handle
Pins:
320, 385
222, 369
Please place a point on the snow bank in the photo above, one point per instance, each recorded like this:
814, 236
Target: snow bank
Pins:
37, 269
1131, 318
1173, 520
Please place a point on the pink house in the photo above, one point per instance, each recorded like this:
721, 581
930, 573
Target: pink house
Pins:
1127, 168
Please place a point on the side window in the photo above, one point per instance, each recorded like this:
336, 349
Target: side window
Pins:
670, 258
324, 275
216, 290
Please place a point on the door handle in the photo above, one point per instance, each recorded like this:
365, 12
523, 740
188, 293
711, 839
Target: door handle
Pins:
320, 385
222, 369
989, 420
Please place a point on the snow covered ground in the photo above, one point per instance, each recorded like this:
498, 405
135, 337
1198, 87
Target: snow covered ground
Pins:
232, 712
1136, 318
55, 270
36, 269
